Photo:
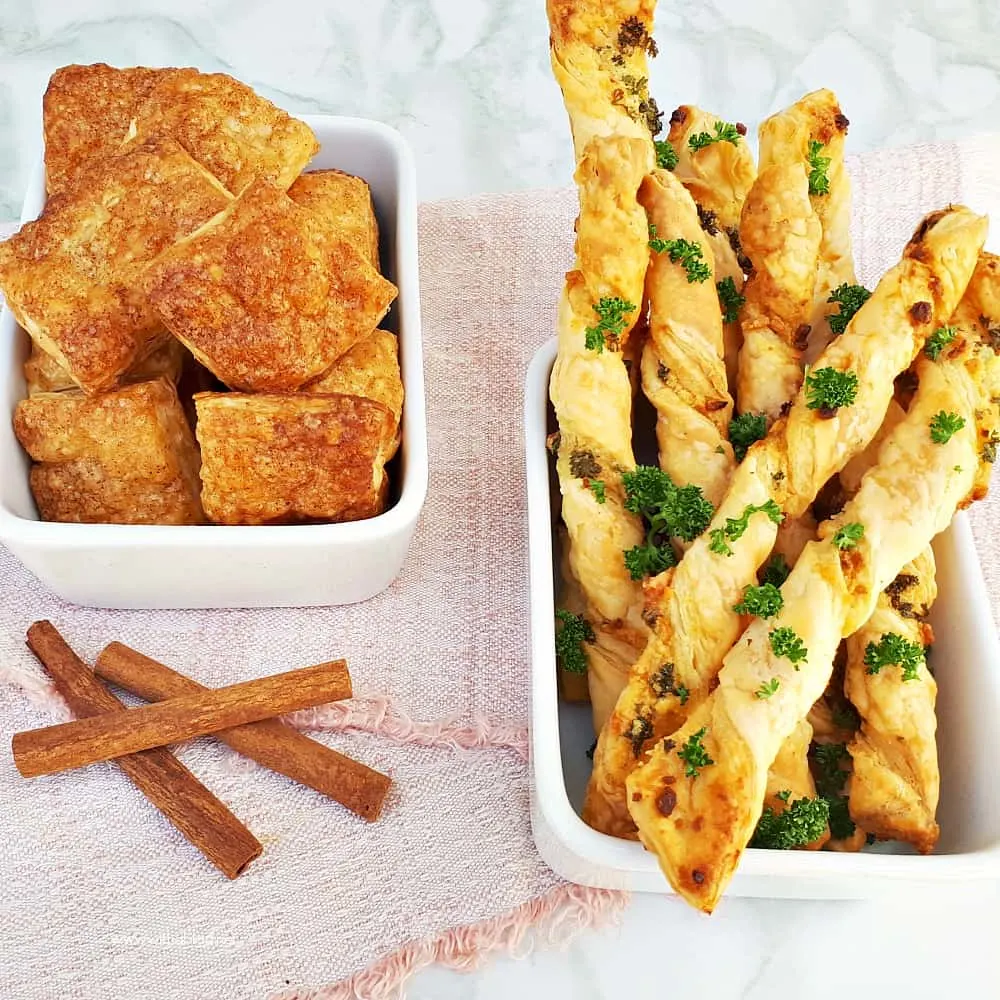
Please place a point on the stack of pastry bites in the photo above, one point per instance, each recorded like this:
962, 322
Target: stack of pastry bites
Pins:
182, 247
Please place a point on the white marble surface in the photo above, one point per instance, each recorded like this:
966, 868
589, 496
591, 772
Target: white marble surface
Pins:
467, 81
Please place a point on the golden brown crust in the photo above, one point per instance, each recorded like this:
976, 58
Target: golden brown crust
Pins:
71, 278
43, 373
719, 175
223, 124
344, 204
86, 112
281, 458
369, 369
263, 297
124, 457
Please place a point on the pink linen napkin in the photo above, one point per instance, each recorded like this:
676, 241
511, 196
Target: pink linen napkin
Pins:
103, 899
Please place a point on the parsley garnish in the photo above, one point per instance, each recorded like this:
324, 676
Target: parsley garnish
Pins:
669, 511
611, 319
829, 389
730, 299
850, 298
801, 823
785, 795
721, 132
849, 535
597, 488
764, 601
895, 649
939, 340
744, 430
944, 425
735, 526
649, 560
684, 252
830, 779
819, 183
694, 754
666, 155
570, 638
767, 688
683, 694
786, 642
776, 571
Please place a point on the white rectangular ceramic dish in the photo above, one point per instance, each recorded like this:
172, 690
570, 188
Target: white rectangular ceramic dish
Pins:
160, 566
966, 659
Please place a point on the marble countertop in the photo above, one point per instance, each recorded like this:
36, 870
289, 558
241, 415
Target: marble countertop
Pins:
468, 83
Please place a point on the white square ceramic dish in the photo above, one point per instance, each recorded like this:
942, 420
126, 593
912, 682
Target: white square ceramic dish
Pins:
206, 566
966, 659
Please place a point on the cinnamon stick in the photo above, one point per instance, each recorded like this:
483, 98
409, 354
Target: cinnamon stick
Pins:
157, 773
270, 742
105, 737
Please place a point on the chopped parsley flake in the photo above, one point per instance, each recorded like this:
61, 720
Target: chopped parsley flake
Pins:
776, 571
786, 642
764, 601
611, 319
669, 511
767, 688
850, 298
939, 340
694, 755
730, 299
894, 649
847, 536
736, 526
830, 779
684, 252
819, 182
666, 155
829, 389
944, 426
804, 821
744, 430
721, 132
574, 632
597, 488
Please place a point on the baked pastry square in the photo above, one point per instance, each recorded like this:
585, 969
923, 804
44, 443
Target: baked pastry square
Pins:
369, 369
343, 204
43, 373
292, 457
223, 124
124, 457
86, 113
264, 297
72, 277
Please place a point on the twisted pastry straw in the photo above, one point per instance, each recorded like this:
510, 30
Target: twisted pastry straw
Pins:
718, 177
699, 826
590, 389
894, 790
598, 52
696, 624
781, 235
683, 367
817, 118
